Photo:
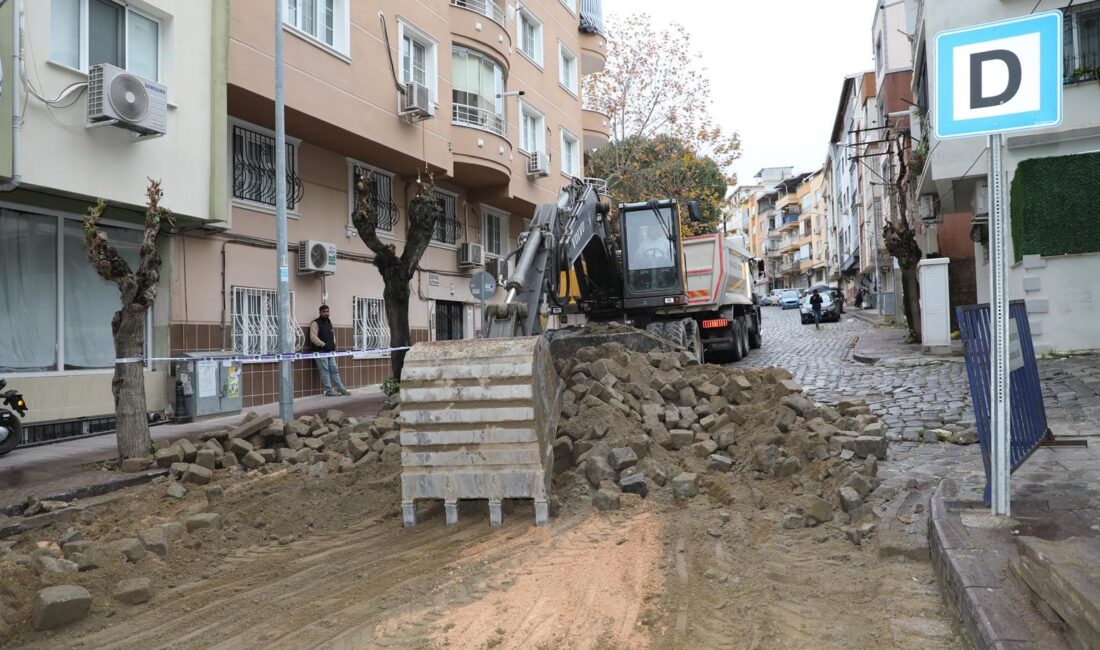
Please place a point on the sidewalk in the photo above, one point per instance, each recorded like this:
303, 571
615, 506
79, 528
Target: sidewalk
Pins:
68, 469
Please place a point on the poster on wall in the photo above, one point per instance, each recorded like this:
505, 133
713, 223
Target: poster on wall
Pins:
208, 378
233, 382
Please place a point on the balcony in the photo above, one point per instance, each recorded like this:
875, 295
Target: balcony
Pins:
479, 118
482, 153
488, 8
468, 21
597, 128
1081, 68
788, 222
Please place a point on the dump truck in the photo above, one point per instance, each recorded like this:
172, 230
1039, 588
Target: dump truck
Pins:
479, 417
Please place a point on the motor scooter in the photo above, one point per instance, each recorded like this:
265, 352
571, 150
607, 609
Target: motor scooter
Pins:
11, 429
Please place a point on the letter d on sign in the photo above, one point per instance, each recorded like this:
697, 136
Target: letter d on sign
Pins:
977, 69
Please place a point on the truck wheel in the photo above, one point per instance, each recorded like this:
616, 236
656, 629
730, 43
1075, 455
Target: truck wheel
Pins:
755, 338
745, 337
736, 351
15, 435
693, 338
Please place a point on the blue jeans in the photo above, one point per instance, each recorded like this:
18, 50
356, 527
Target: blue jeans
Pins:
330, 374
817, 316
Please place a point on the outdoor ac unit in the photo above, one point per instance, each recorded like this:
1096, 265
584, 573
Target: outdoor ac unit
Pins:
980, 203
928, 208
498, 268
416, 102
125, 100
470, 256
538, 164
316, 257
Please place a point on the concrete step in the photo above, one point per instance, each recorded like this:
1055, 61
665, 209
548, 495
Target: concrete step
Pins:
1064, 579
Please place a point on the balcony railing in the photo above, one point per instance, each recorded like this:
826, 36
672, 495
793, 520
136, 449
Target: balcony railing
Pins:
488, 8
479, 118
592, 16
1082, 67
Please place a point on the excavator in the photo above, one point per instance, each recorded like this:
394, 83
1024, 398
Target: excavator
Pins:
479, 416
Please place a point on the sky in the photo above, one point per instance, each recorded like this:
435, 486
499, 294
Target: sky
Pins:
776, 68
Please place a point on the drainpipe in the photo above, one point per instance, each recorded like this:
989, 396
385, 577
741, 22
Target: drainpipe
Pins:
15, 90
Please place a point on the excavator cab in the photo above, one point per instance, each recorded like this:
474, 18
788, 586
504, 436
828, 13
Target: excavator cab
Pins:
653, 260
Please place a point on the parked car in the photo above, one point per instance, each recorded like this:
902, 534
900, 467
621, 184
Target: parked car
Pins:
788, 299
830, 309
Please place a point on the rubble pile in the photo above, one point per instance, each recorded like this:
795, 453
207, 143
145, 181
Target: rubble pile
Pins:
636, 423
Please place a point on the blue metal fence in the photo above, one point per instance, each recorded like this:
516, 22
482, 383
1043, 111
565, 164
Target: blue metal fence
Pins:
1028, 417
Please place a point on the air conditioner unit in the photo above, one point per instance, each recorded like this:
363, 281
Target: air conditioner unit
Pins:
416, 102
928, 207
119, 98
498, 268
980, 202
538, 165
470, 256
316, 257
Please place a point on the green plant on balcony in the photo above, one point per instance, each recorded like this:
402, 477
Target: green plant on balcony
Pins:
918, 159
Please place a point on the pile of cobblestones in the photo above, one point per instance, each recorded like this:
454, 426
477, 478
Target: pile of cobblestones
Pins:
636, 423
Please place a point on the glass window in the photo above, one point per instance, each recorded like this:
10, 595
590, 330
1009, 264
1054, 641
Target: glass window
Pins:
496, 232
380, 195
65, 32
570, 154
256, 320
567, 68
448, 320
651, 262
105, 20
28, 292
530, 36
254, 168
446, 228
143, 46
90, 301
478, 85
323, 20
371, 330
414, 61
531, 136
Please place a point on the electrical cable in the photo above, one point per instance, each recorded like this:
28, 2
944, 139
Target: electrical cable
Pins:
389, 54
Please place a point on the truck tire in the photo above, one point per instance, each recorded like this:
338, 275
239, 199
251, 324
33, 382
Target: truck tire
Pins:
745, 343
755, 337
684, 334
15, 435
693, 338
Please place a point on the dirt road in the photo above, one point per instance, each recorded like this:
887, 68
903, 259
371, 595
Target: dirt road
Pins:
325, 563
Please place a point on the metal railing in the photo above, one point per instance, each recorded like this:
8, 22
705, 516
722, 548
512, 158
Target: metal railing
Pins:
479, 118
256, 322
487, 8
371, 330
1082, 67
592, 16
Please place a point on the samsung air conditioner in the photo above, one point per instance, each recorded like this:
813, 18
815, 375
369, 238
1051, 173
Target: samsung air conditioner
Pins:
119, 98
416, 102
470, 256
316, 257
538, 164
980, 202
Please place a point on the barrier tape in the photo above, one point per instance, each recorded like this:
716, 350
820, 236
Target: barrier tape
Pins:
262, 358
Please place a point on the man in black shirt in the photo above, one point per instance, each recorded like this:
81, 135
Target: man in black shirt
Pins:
815, 305
323, 338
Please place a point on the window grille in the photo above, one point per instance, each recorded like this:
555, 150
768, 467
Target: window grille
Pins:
380, 195
446, 228
254, 169
256, 321
371, 330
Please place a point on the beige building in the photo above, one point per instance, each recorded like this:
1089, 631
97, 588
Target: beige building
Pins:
482, 96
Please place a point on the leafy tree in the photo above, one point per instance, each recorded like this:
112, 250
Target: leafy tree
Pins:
652, 85
640, 169
397, 270
138, 289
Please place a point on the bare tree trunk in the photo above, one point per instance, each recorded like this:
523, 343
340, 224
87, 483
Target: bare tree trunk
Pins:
911, 286
396, 294
128, 385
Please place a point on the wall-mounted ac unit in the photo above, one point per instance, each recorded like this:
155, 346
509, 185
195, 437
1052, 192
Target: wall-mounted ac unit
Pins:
125, 100
416, 102
316, 257
498, 268
538, 164
980, 203
928, 208
470, 256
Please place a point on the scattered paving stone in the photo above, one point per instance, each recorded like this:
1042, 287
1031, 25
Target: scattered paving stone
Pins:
46, 564
130, 547
719, 463
793, 521
133, 591
622, 458
155, 540
635, 484
134, 465
685, 485
253, 460
606, 499
59, 606
175, 490
202, 521
849, 499
197, 474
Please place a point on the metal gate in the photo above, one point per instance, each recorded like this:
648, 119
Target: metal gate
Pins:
1028, 417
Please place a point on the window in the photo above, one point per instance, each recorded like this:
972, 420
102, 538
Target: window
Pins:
567, 69
256, 321
325, 21
418, 57
254, 168
84, 33
371, 330
570, 154
446, 228
530, 35
571, 5
448, 320
478, 88
42, 258
532, 130
495, 229
1081, 42
489, 8
805, 252
380, 193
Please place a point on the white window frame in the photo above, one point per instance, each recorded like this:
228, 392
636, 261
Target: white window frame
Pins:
522, 16
503, 232
1073, 16
571, 5
572, 85
526, 108
292, 212
407, 30
61, 217
439, 243
341, 26
371, 331
269, 334
82, 65
352, 164
574, 160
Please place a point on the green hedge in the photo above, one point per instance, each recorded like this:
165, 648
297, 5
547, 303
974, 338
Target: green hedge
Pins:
1056, 206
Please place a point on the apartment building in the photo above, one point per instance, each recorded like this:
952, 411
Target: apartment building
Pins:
1054, 244
58, 156
845, 184
482, 96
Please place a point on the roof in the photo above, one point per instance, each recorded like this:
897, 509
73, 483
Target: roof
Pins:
845, 91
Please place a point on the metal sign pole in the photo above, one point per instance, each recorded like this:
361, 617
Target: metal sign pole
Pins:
286, 377
1000, 395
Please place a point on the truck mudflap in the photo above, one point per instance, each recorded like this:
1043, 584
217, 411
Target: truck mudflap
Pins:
478, 419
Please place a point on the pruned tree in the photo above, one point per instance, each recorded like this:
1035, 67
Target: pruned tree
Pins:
397, 270
662, 167
138, 292
901, 240
653, 85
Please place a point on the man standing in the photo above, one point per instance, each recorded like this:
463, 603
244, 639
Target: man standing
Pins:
323, 338
815, 305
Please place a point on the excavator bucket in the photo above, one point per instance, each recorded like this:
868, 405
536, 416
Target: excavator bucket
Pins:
478, 419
